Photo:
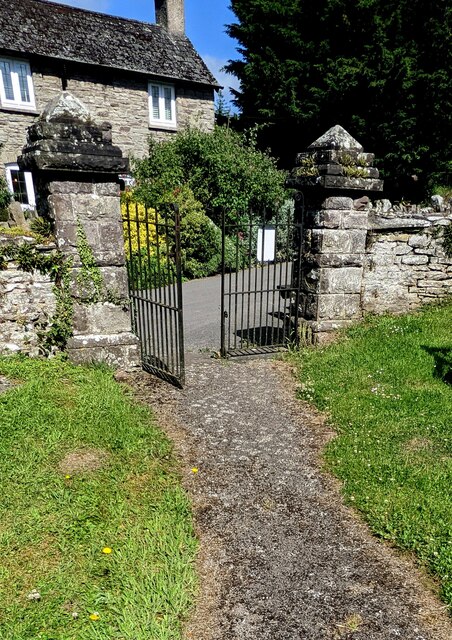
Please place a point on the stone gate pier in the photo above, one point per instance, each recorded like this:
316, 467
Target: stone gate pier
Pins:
76, 167
361, 254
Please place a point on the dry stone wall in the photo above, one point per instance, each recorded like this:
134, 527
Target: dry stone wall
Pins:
406, 263
362, 257
27, 302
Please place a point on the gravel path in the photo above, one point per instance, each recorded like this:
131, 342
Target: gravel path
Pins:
281, 557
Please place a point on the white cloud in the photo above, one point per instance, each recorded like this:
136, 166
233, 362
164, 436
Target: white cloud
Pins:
227, 80
93, 5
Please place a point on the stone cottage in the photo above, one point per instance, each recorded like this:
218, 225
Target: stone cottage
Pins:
142, 78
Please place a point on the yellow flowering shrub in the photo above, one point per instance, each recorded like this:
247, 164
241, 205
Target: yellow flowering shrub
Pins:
138, 234
146, 251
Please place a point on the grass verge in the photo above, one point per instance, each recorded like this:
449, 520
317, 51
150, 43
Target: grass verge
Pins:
92, 514
386, 389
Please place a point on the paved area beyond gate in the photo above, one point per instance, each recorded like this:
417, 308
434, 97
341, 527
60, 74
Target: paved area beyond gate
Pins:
281, 558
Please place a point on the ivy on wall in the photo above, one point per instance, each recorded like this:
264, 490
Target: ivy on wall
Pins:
5, 199
58, 268
89, 277
447, 240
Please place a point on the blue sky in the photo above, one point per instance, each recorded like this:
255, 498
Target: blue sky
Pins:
205, 20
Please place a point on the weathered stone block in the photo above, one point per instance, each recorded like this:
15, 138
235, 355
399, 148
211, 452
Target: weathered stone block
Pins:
323, 327
352, 306
107, 189
328, 219
331, 306
106, 240
341, 241
70, 187
115, 285
402, 249
398, 237
93, 206
341, 280
389, 222
60, 207
360, 204
419, 241
339, 306
100, 318
355, 220
337, 202
339, 260
66, 238
120, 351
351, 183
335, 240
427, 251
441, 280
414, 259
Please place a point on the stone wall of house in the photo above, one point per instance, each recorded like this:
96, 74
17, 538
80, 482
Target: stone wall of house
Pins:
195, 108
27, 303
14, 124
406, 264
119, 98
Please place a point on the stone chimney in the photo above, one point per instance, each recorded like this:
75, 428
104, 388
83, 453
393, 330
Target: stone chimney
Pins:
170, 14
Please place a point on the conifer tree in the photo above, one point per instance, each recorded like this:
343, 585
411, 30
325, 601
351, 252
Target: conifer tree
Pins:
380, 68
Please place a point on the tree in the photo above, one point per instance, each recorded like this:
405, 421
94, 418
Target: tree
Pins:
380, 68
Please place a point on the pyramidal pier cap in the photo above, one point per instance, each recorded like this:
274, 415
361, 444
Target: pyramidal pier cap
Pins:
336, 160
337, 138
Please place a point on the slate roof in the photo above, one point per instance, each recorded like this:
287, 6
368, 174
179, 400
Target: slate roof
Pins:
39, 27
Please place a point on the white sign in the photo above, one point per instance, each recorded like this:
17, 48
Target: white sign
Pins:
266, 244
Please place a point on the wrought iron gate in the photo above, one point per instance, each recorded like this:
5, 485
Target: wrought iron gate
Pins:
155, 288
260, 286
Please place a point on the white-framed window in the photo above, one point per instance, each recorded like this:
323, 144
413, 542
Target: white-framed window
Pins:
20, 183
16, 84
162, 104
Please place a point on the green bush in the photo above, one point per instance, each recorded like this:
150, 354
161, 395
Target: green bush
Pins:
205, 173
42, 226
223, 169
5, 199
149, 272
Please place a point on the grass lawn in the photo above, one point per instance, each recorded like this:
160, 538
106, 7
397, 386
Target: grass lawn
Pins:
92, 514
384, 387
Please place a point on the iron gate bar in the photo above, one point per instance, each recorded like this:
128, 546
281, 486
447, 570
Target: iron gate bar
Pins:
256, 315
155, 289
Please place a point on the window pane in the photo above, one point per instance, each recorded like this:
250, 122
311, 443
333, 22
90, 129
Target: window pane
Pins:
168, 110
23, 82
5, 68
155, 102
19, 186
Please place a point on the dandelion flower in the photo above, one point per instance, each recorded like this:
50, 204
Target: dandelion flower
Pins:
67, 477
195, 470
94, 616
106, 550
